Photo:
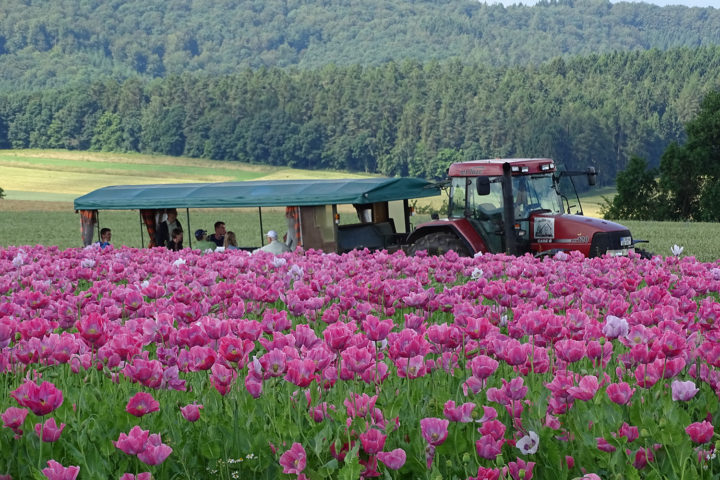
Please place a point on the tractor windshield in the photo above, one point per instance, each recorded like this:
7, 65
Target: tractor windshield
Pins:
530, 193
535, 192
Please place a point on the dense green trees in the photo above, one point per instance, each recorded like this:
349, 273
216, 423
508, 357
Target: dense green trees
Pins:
687, 184
405, 118
50, 44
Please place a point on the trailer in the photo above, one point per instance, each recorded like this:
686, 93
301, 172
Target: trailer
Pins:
382, 206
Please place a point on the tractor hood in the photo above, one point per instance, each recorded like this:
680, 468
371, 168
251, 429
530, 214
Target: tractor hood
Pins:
592, 236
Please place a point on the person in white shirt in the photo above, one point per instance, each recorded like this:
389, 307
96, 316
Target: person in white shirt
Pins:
273, 246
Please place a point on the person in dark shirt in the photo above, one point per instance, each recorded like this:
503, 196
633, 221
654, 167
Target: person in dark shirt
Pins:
165, 228
219, 236
175, 242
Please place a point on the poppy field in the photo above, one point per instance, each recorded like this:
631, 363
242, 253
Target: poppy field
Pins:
136, 364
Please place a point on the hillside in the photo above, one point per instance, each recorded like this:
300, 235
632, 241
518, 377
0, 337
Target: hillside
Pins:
396, 119
48, 44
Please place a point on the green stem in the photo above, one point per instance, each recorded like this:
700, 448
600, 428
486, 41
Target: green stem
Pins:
40, 447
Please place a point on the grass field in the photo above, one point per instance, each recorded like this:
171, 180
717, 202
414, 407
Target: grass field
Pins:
40, 186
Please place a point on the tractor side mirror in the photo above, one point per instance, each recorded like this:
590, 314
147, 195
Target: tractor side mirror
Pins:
482, 185
592, 176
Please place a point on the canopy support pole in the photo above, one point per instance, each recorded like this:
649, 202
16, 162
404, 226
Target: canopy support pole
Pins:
142, 224
187, 212
98, 226
262, 238
406, 211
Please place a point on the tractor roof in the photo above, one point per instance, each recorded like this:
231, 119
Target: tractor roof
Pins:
494, 167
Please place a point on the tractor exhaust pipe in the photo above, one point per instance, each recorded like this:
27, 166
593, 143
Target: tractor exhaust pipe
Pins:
509, 211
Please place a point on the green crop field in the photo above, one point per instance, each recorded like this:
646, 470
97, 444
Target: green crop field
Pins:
40, 186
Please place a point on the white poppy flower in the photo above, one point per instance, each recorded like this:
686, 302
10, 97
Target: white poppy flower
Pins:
529, 443
676, 250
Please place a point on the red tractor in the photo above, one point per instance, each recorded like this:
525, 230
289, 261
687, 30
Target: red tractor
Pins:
518, 206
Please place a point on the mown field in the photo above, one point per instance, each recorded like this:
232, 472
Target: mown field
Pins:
40, 186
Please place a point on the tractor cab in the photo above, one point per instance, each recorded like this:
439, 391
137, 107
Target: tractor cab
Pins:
518, 206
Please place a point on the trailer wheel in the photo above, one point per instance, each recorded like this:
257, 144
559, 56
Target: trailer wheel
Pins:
644, 254
439, 243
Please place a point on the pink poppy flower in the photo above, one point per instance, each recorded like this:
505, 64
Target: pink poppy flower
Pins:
486, 474
92, 328
49, 431
360, 405
483, 366
253, 384
586, 389
394, 459
300, 372
413, 367
293, 460
222, 378
236, 350
519, 469
375, 329
337, 335
133, 442
619, 393
142, 403
191, 412
372, 440
603, 445
493, 428
41, 400
356, 359
570, 350
487, 447
55, 471
700, 432
13, 418
642, 457
155, 451
631, 433
434, 430
462, 414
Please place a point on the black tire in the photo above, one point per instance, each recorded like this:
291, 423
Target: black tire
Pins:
644, 254
439, 243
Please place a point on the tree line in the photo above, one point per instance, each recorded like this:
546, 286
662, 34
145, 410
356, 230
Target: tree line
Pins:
404, 118
686, 184
50, 44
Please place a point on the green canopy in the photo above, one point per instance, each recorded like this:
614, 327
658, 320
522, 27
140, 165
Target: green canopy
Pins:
269, 193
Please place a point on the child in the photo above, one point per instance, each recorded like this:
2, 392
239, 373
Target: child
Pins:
175, 242
230, 241
105, 237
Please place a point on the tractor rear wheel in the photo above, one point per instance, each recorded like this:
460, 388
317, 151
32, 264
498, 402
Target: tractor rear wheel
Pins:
439, 243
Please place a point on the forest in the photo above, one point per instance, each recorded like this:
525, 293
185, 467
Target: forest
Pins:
399, 118
46, 44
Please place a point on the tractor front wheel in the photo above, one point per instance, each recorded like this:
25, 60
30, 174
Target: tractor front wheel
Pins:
439, 243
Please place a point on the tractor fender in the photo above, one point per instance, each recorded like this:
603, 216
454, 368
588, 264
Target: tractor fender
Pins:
461, 228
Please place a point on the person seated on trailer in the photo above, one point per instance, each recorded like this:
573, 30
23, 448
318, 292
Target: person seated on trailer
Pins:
168, 223
230, 241
105, 237
273, 246
202, 242
176, 240
219, 236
